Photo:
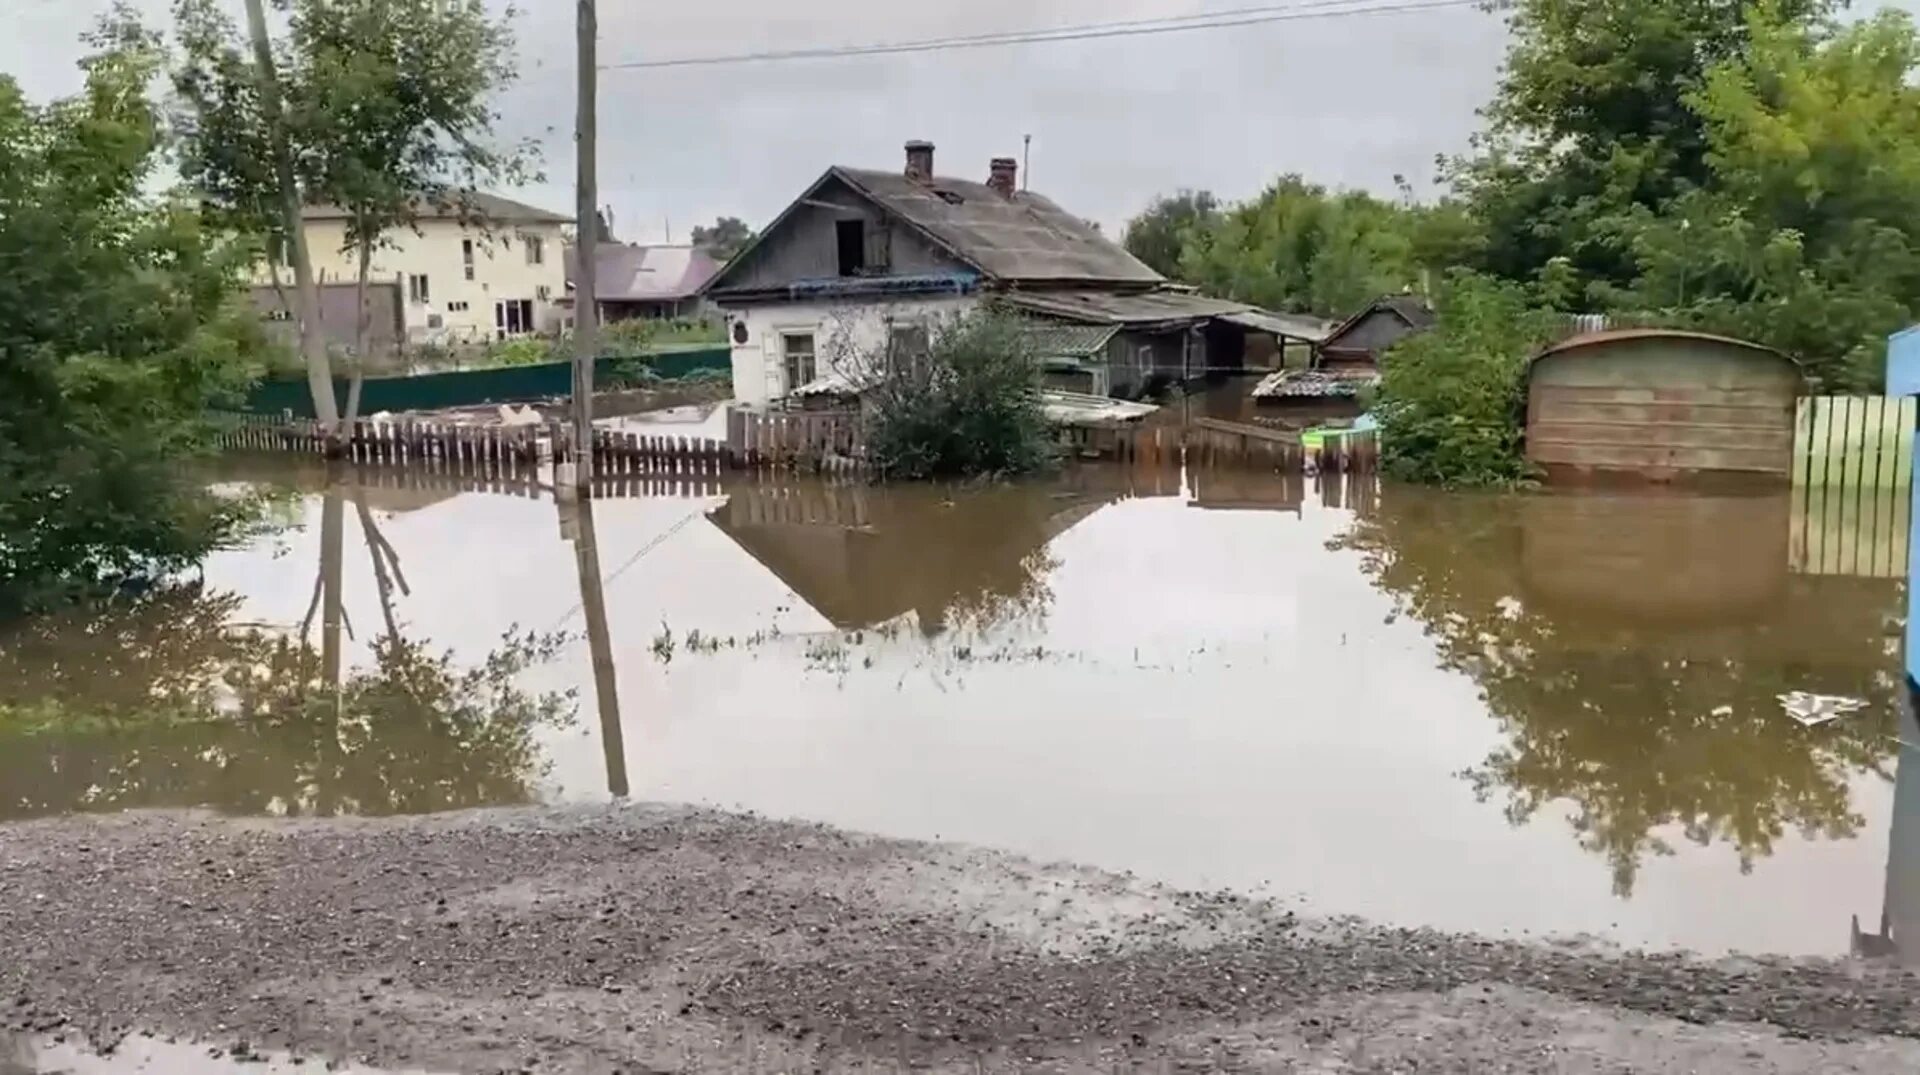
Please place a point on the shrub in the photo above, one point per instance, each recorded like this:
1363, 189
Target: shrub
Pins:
969, 406
1453, 400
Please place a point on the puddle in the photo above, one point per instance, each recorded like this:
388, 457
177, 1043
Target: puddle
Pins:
138, 1055
1517, 715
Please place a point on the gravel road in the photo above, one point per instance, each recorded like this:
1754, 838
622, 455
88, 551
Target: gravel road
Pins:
667, 939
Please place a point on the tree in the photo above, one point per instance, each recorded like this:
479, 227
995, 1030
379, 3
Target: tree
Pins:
381, 107
120, 324
1299, 247
1592, 119
725, 239
1158, 236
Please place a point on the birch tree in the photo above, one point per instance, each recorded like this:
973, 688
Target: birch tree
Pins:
381, 108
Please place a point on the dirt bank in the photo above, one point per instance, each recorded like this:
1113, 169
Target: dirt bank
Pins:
650, 938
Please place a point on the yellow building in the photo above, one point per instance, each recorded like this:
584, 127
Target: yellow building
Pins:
497, 275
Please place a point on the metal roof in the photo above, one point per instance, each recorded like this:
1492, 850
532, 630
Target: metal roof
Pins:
628, 272
1025, 237
1119, 308
1314, 384
1591, 339
1058, 340
481, 208
1292, 326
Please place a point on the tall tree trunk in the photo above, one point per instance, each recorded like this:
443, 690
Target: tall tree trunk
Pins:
362, 328
313, 345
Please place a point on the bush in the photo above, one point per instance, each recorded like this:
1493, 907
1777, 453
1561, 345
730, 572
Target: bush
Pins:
1452, 401
968, 407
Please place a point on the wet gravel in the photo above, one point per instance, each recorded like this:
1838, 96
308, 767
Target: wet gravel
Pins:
668, 939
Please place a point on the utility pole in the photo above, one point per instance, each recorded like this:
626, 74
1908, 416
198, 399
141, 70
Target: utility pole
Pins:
586, 307
1026, 160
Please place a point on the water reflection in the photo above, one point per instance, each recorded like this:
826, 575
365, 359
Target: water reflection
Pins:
172, 700
1632, 648
862, 556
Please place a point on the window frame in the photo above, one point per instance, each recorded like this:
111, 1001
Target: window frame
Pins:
788, 356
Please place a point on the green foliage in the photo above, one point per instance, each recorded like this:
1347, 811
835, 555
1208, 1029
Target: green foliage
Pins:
969, 407
165, 701
725, 239
120, 324
1452, 399
1639, 727
1159, 236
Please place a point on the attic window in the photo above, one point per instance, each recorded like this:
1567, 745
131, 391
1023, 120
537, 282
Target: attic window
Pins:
851, 237
950, 197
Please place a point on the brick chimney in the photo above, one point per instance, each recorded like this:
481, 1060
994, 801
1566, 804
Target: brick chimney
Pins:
920, 161
1004, 176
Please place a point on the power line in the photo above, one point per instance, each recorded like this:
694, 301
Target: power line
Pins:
1323, 9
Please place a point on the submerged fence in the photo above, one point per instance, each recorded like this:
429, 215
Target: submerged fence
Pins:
1852, 485
829, 441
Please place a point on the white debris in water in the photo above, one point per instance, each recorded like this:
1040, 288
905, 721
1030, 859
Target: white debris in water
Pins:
1816, 709
1722, 711
523, 416
1510, 607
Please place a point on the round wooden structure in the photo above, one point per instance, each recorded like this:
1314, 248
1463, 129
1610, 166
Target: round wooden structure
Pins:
1661, 404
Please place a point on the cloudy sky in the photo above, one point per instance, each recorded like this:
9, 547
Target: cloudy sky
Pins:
1346, 100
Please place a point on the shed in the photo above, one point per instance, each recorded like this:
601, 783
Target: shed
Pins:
1360, 340
1661, 403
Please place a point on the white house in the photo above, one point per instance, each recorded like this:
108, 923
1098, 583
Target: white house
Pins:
866, 258
496, 274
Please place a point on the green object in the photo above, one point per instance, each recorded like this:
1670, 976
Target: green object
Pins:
500, 384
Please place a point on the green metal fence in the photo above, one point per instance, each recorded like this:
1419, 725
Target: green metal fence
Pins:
499, 384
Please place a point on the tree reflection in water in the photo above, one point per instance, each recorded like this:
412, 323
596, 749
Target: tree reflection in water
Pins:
167, 700
1632, 649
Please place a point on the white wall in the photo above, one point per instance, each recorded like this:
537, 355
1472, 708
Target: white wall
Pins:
500, 272
759, 367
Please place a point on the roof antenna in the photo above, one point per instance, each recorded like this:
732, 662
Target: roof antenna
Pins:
1026, 160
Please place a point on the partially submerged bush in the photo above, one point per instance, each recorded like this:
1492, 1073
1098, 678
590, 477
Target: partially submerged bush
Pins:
1452, 401
966, 405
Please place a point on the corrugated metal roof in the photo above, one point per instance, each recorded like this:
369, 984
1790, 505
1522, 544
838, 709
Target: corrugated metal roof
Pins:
1121, 308
1025, 237
1056, 340
628, 272
1070, 408
485, 208
1292, 326
1314, 384
1590, 339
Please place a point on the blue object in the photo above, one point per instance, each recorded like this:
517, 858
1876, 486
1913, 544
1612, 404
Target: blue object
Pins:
1903, 363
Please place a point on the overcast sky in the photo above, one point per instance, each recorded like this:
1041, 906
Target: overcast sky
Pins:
1348, 101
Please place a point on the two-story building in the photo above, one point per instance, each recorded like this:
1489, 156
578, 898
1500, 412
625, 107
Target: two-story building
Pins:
495, 272
866, 261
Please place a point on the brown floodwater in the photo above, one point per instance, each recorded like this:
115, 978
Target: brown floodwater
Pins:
1540, 714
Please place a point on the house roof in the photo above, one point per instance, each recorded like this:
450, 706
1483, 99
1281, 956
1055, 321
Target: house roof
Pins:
1314, 384
485, 208
1025, 237
1053, 339
1111, 308
1411, 309
1591, 339
627, 272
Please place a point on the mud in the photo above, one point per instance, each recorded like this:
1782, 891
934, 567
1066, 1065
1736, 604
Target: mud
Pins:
670, 939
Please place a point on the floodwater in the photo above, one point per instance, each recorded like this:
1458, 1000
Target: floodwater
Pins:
1542, 715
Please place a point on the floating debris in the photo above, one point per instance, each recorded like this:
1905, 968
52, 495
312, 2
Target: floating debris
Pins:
1813, 710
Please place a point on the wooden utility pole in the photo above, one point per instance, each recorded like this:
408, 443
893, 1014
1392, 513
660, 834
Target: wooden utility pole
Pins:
586, 308
313, 349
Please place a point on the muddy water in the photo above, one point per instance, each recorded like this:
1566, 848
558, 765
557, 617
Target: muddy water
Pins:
1545, 715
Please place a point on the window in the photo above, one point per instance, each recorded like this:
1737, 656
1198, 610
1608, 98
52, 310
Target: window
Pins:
536, 250
466, 256
456, 307
512, 317
417, 290
797, 352
543, 293
907, 346
436, 321
851, 236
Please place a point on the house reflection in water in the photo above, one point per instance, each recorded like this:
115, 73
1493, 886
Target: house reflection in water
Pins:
865, 555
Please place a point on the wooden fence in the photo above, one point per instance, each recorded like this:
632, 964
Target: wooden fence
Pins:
828, 441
